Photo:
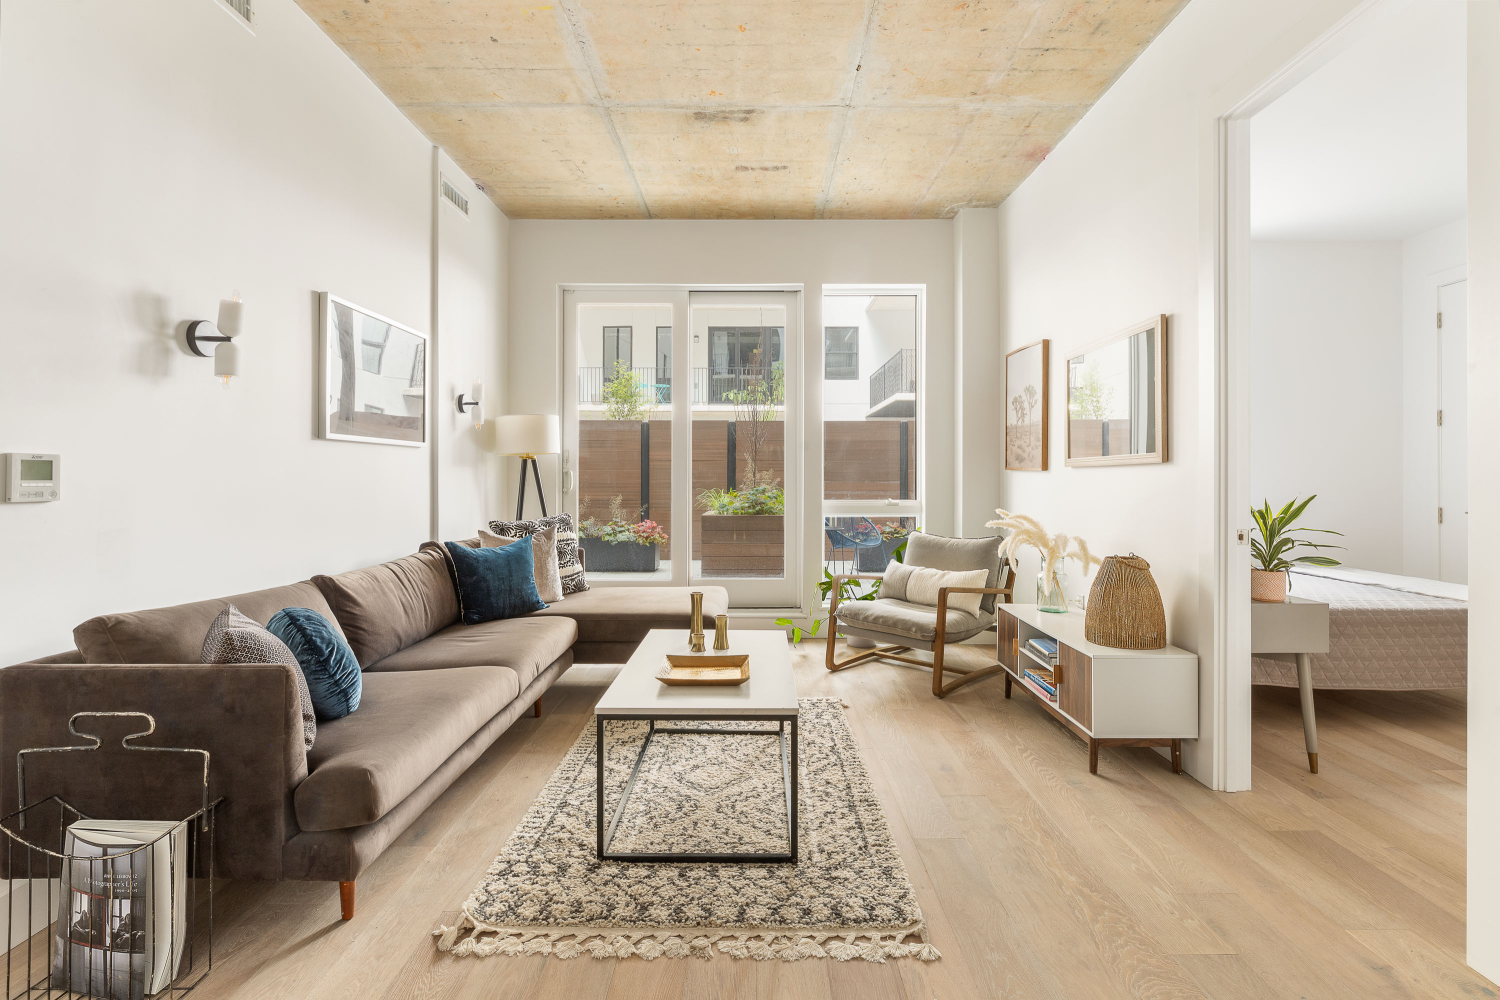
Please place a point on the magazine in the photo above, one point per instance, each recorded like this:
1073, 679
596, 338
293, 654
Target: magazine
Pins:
121, 919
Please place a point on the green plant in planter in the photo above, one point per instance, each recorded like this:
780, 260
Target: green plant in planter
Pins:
763, 495
620, 529
1274, 550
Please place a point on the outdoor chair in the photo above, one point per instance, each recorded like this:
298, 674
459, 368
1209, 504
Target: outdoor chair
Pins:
898, 626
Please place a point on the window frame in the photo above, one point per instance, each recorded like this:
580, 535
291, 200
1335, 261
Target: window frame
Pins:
853, 375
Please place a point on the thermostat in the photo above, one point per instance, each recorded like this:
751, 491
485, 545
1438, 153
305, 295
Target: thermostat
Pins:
32, 478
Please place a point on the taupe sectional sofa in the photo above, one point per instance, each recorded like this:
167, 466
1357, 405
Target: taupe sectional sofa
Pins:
436, 693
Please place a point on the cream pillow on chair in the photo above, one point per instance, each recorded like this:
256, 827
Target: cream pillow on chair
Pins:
922, 586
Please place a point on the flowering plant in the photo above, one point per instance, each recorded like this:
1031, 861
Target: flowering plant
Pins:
618, 529
892, 530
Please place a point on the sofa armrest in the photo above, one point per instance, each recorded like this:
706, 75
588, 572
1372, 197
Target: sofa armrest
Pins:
247, 716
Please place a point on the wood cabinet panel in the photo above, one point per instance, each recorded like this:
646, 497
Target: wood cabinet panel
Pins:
1006, 644
1074, 694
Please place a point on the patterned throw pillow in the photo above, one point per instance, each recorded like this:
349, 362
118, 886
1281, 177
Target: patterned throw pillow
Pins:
568, 566
234, 638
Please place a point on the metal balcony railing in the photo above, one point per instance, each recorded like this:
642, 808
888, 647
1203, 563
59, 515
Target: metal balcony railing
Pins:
895, 376
591, 384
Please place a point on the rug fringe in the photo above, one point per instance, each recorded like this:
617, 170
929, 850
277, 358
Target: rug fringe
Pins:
470, 938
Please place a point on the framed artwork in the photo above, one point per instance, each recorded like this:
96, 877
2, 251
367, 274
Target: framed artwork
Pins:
374, 384
1117, 398
1026, 408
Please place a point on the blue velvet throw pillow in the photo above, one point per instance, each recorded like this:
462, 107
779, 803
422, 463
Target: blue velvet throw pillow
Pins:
494, 583
332, 672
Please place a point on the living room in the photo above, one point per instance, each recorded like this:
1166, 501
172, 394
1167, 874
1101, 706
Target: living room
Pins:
471, 181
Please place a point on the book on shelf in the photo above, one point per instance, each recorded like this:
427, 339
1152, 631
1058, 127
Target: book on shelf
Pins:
121, 919
1043, 646
1043, 679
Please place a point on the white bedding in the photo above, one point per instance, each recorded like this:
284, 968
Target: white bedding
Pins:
1384, 632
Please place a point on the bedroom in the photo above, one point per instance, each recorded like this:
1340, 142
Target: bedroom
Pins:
1358, 319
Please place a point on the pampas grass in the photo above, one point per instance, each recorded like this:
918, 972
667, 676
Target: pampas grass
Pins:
1055, 549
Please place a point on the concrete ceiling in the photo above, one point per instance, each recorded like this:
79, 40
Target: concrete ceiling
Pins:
1374, 145
873, 109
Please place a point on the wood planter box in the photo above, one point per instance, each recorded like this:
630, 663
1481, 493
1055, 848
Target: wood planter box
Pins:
600, 556
743, 544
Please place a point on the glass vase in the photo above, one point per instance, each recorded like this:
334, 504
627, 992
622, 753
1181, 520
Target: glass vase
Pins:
1052, 595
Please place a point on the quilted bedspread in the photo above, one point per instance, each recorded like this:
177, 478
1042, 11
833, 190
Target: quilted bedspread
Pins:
1379, 637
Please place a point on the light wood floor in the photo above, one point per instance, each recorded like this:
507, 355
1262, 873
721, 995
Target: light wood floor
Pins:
1037, 879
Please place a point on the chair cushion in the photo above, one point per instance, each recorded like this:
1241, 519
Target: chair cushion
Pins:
390, 606
938, 552
326, 660
526, 645
626, 614
923, 586
408, 723
175, 634
904, 620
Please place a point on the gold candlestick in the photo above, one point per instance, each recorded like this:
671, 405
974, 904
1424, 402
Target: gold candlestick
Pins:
721, 632
695, 623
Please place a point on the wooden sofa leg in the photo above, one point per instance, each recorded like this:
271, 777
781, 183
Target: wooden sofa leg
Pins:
346, 899
536, 710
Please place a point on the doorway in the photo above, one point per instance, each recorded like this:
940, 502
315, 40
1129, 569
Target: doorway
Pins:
1453, 432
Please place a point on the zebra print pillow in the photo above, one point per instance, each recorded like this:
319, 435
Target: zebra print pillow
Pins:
568, 566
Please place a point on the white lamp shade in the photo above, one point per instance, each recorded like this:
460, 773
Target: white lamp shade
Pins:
528, 434
231, 311
226, 360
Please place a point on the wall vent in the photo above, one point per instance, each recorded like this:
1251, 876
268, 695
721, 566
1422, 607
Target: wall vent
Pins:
451, 193
244, 8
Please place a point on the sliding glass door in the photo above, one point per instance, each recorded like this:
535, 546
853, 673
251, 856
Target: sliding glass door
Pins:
679, 411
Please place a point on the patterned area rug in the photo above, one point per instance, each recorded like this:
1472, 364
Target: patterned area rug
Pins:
847, 897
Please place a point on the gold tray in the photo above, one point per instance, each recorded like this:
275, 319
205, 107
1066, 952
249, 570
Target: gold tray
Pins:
705, 668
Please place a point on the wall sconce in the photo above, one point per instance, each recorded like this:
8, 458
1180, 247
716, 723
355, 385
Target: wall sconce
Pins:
226, 356
476, 393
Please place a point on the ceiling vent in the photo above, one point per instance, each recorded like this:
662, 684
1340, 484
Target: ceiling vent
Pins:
244, 8
451, 193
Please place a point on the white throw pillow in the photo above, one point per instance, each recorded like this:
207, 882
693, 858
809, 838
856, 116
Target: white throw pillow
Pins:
543, 558
923, 583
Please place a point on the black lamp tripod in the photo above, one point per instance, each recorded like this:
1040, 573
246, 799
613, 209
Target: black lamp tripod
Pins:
521, 492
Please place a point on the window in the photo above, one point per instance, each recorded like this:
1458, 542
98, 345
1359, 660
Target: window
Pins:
841, 352
664, 361
372, 340
616, 349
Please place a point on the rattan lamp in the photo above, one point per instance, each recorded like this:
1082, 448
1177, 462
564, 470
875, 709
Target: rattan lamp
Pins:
528, 435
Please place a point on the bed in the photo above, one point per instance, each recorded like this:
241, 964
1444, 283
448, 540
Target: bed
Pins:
1385, 632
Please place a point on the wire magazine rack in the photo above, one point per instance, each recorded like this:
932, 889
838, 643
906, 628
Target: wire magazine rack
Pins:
92, 917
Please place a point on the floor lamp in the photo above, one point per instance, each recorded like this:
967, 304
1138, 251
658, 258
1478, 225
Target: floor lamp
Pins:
527, 435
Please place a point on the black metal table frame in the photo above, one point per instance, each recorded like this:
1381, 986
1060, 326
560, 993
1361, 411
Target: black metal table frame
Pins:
788, 772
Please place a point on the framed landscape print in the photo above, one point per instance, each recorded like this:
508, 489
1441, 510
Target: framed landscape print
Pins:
374, 384
1026, 408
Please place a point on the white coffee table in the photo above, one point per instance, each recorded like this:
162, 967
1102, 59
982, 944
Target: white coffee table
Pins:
770, 695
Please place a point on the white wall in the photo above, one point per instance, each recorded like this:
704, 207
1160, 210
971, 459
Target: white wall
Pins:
1326, 390
1427, 260
153, 159
1119, 224
979, 361
547, 254
1484, 489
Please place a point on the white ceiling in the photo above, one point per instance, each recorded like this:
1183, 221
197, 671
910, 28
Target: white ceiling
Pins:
1372, 145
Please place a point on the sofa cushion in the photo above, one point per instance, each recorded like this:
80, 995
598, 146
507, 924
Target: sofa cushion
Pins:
493, 583
626, 614
569, 568
327, 662
175, 634
408, 723
526, 645
233, 638
390, 606
904, 620
543, 560
940, 552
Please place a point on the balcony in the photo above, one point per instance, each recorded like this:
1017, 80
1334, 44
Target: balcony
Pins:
711, 386
893, 388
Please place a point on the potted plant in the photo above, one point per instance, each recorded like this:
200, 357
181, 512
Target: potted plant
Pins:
1272, 552
617, 545
743, 529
